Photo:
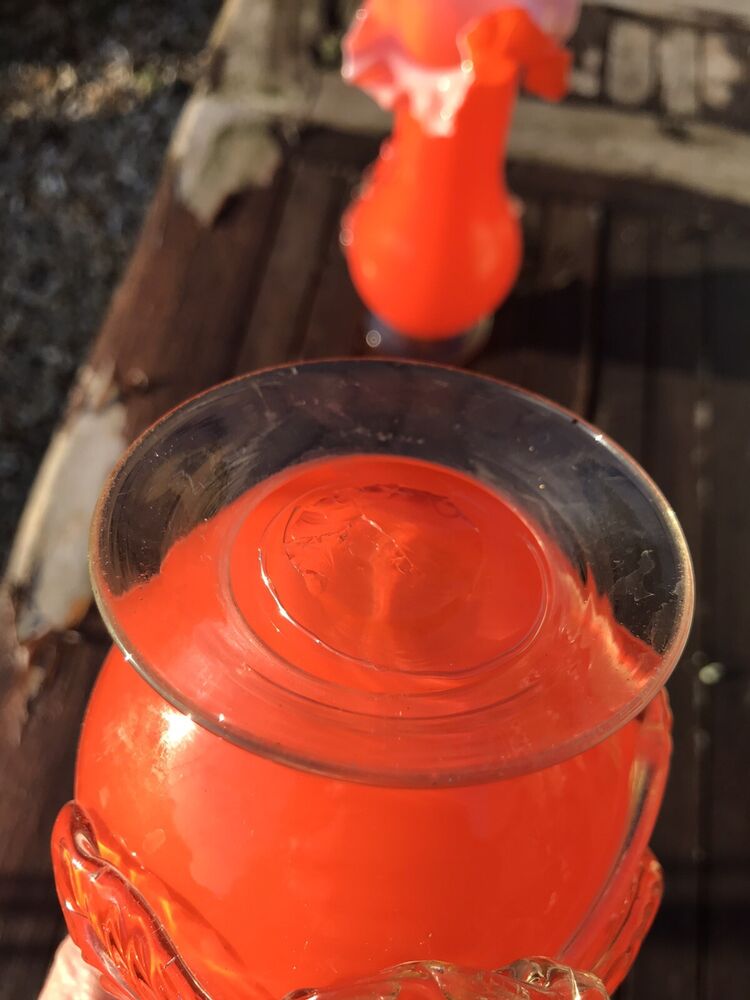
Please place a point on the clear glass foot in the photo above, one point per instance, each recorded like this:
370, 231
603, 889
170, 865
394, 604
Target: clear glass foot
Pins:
383, 339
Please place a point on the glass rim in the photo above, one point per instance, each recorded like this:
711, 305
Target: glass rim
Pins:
523, 763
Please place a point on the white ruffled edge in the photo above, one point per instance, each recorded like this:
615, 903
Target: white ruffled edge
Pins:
437, 95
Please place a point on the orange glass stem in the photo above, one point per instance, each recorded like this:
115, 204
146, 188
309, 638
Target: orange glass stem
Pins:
433, 241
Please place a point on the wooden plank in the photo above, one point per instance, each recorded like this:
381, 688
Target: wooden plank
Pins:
298, 258
735, 9
505, 355
724, 73
729, 360
538, 180
552, 351
589, 46
186, 294
337, 321
37, 780
630, 74
619, 406
679, 60
681, 64
563, 306
673, 452
728, 897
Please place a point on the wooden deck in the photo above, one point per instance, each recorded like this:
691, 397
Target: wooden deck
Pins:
634, 310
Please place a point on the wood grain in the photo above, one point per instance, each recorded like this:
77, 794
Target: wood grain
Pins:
726, 494
37, 778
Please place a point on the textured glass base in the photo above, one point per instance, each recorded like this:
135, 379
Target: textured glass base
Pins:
383, 339
120, 936
529, 979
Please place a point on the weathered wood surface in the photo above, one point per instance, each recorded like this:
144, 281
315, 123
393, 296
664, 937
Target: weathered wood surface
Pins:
36, 782
726, 553
681, 64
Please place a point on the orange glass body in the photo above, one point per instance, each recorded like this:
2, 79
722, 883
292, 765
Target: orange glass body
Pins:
433, 241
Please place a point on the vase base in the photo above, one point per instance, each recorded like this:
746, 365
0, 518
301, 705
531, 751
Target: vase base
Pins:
383, 339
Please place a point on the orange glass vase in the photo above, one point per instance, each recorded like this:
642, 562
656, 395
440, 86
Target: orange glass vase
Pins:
433, 240
387, 696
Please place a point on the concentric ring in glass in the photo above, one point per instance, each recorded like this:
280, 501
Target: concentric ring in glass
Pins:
566, 479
